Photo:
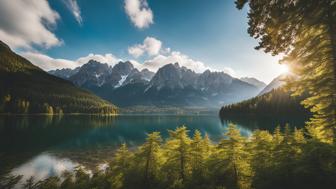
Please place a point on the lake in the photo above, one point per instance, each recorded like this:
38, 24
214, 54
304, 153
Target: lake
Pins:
47, 145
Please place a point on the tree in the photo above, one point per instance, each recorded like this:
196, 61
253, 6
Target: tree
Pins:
178, 151
305, 31
234, 159
120, 166
200, 151
197, 151
150, 153
260, 149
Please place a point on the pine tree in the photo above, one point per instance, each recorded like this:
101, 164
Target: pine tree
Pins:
197, 151
178, 151
262, 162
150, 153
234, 158
305, 31
120, 166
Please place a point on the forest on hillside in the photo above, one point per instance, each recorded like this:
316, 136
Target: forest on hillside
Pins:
277, 102
26, 89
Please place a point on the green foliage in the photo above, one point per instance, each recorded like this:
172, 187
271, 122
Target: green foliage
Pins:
26, 89
305, 31
150, 157
287, 159
178, 154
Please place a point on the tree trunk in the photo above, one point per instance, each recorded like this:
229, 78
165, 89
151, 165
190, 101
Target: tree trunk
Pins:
147, 182
332, 34
182, 167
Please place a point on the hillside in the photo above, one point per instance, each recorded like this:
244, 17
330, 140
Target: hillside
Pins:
26, 88
275, 103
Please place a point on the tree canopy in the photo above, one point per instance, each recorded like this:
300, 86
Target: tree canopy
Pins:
305, 32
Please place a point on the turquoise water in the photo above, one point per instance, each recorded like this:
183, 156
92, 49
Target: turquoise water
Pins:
41, 146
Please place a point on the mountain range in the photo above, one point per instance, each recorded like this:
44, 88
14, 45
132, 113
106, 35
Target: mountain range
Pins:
26, 88
171, 85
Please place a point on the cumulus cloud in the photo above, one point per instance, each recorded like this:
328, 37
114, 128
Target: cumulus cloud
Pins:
150, 46
48, 63
106, 58
72, 5
139, 13
136, 51
184, 60
26, 23
162, 56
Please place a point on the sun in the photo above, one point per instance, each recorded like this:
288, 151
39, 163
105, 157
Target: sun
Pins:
284, 69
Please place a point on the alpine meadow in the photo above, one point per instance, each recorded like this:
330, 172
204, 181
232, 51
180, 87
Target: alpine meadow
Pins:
146, 94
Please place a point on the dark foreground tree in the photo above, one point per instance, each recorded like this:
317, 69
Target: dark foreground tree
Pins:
305, 31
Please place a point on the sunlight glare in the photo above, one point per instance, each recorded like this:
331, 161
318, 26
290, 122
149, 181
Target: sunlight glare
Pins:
284, 68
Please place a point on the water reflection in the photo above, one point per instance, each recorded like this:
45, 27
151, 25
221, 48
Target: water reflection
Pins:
265, 122
46, 145
43, 166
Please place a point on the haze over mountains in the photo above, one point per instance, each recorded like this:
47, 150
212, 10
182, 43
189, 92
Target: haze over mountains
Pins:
171, 85
274, 84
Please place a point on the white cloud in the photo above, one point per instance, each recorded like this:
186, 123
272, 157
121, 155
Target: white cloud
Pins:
139, 12
136, 51
72, 5
175, 56
48, 63
151, 46
24, 23
106, 58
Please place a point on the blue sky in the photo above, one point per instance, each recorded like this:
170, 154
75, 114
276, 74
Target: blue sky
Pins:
206, 34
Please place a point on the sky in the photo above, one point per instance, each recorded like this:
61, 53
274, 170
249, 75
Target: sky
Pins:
151, 33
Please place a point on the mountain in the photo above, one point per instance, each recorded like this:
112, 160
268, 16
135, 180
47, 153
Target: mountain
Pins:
94, 75
274, 84
173, 76
177, 85
26, 88
64, 73
91, 74
254, 81
136, 76
171, 85
119, 74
